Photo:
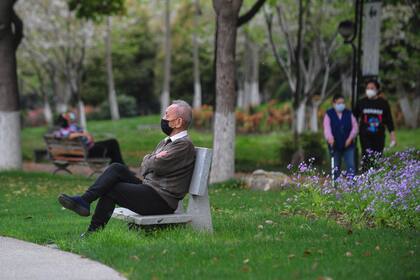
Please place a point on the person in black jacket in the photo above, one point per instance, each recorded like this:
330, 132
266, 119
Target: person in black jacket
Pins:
373, 113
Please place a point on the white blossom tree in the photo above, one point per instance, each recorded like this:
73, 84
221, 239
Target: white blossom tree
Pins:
57, 42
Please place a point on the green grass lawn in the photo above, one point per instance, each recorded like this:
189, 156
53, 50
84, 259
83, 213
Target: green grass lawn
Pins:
254, 237
138, 136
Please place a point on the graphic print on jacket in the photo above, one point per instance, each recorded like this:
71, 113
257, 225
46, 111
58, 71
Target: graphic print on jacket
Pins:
374, 115
373, 119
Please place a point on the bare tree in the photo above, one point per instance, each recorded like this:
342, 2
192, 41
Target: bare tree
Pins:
305, 62
10, 37
112, 95
44, 88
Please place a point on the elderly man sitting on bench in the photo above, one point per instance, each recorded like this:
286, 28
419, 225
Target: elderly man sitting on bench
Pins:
165, 176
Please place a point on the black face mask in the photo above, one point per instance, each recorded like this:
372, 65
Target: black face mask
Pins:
164, 125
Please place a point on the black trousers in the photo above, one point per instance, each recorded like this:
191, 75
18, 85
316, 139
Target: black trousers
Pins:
372, 148
107, 148
119, 185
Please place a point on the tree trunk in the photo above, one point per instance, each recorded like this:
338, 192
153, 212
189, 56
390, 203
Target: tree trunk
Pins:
240, 103
251, 96
410, 110
247, 74
300, 117
112, 96
10, 36
223, 164
241, 77
345, 85
255, 98
165, 96
196, 59
62, 94
48, 112
299, 106
82, 114
313, 123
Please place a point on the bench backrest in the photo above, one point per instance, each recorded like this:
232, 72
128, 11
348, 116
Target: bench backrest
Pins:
65, 149
201, 172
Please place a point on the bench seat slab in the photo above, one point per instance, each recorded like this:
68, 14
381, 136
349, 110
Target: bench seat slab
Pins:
132, 217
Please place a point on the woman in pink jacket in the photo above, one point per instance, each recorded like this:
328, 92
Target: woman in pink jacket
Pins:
340, 130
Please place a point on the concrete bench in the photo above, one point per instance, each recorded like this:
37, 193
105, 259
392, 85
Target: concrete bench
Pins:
64, 152
198, 211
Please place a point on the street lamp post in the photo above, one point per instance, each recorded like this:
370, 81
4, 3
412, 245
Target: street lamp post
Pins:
349, 30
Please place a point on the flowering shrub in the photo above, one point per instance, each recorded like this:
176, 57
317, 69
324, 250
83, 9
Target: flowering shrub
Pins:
202, 117
264, 119
386, 195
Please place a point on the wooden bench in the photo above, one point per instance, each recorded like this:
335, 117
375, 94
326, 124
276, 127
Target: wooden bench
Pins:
198, 211
64, 152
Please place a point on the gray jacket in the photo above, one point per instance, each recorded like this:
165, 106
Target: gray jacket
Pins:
170, 175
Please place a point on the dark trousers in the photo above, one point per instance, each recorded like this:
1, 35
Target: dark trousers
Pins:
119, 185
348, 156
107, 148
372, 149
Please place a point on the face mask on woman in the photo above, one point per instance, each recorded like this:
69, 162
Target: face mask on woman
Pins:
339, 107
370, 93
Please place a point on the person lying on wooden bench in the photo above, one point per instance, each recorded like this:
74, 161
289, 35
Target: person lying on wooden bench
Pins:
165, 176
109, 148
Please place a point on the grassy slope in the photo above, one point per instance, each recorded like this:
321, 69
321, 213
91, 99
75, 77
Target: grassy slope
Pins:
252, 151
291, 247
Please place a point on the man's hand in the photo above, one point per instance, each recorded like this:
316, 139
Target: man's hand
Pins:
349, 141
331, 141
162, 154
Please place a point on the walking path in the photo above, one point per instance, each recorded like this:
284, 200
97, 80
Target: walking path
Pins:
49, 168
79, 169
24, 260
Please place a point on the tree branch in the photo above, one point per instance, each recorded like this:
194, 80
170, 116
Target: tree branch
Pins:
281, 63
250, 14
285, 29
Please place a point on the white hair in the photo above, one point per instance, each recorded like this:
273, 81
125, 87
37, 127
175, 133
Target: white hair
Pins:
184, 111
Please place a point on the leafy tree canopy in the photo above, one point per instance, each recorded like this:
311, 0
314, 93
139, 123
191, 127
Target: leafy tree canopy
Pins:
96, 9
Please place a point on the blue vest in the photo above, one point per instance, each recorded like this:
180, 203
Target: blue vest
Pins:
340, 128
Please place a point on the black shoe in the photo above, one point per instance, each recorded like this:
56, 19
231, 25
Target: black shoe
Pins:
75, 203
